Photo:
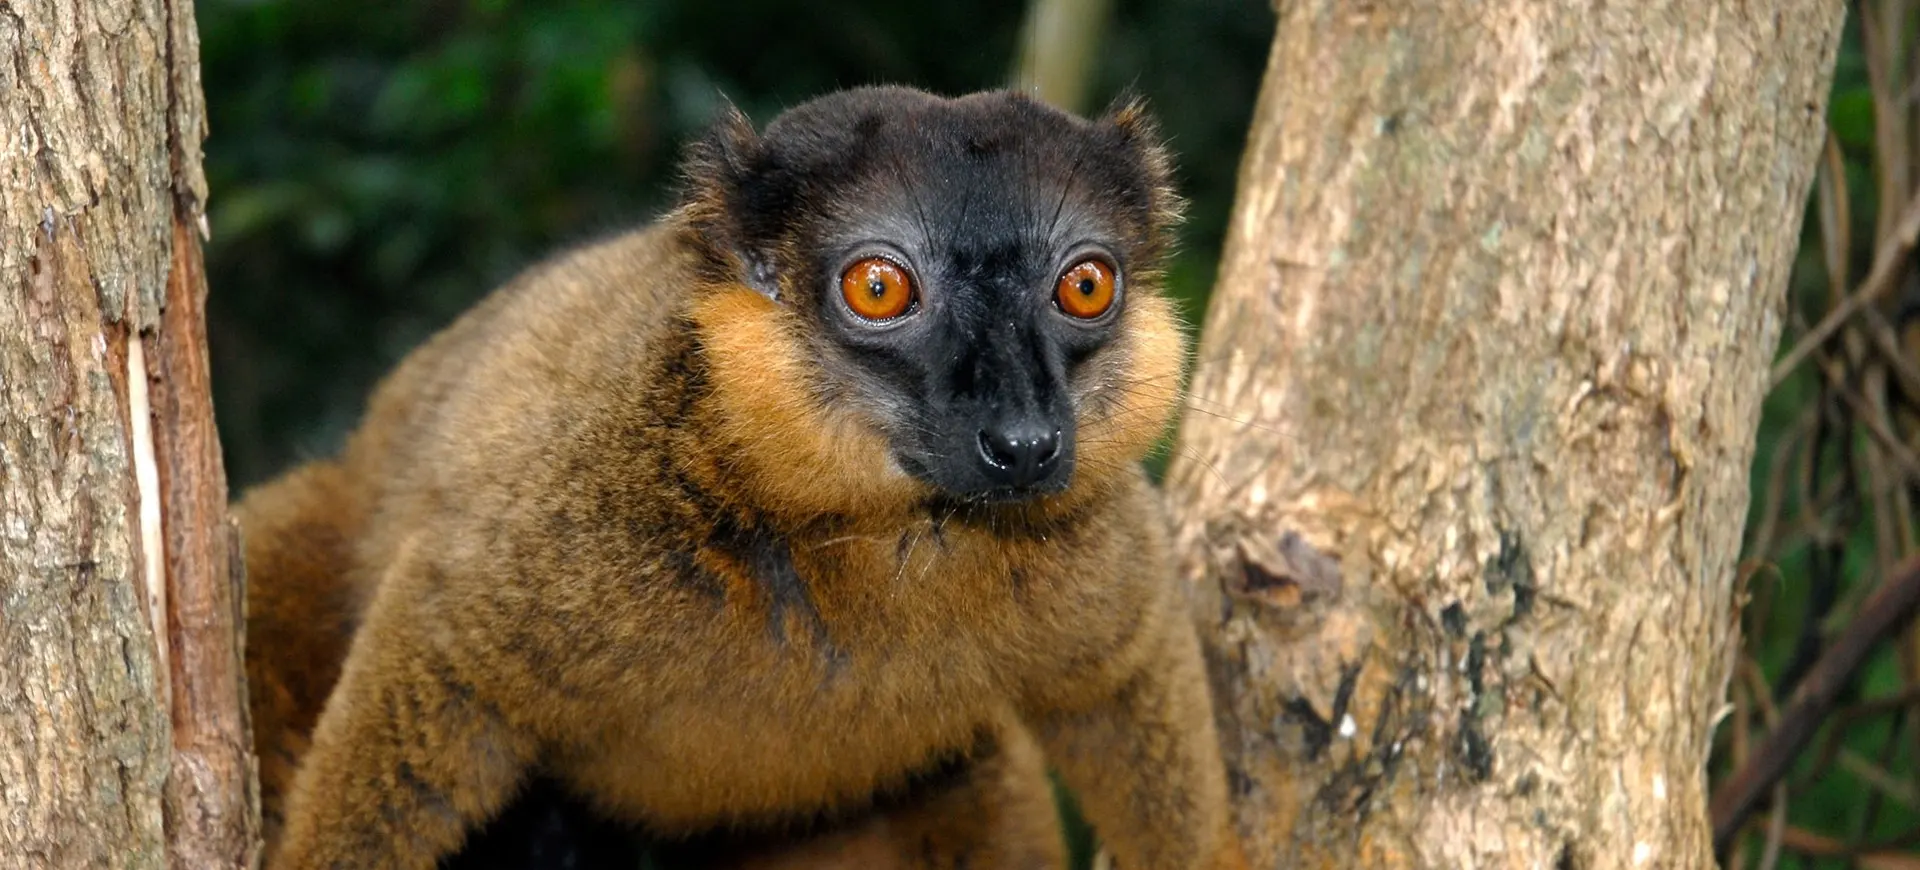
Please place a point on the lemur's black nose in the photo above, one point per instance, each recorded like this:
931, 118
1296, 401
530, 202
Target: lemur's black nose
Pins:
1019, 453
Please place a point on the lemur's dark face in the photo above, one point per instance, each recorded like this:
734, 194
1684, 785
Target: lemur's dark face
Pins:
960, 269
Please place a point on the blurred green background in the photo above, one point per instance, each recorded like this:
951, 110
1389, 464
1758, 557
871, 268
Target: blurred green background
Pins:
377, 166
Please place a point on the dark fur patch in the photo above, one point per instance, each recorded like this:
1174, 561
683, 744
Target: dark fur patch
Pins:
768, 558
426, 796
546, 827
943, 770
688, 570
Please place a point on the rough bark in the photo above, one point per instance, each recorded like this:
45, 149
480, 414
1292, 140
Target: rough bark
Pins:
122, 733
1464, 472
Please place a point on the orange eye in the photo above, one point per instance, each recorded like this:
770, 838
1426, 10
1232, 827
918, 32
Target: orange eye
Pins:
1086, 290
877, 288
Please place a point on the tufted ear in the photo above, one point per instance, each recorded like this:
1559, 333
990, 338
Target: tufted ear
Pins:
1139, 132
721, 183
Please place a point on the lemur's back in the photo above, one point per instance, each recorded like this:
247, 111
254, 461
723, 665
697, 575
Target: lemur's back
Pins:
313, 556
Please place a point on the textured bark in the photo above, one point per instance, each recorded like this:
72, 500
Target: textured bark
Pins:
1462, 485
120, 745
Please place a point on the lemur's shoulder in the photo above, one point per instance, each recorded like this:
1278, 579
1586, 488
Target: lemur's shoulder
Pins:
591, 307
573, 329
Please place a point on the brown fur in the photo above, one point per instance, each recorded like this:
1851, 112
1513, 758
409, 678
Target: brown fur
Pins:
298, 531
562, 531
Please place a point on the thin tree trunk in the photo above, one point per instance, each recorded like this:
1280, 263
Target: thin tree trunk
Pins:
1463, 478
1059, 45
122, 729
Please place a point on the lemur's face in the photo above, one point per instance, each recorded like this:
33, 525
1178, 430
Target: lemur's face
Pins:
964, 273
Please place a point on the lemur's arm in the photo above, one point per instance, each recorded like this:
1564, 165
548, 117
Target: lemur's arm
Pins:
408, 758
1145, 764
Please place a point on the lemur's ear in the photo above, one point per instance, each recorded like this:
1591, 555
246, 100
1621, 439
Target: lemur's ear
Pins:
1128, 113
722, 186
1129, 118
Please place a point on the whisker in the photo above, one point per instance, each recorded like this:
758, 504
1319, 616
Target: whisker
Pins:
1190, 404
843, 539
913, 194
1073, 172
912, 545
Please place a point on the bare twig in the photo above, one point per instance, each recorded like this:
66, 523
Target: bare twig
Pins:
1873, 423
1898, 361
1836, 223
1888, 262
1776, 829
1764, 536
1886, 609
1883, 38
1876, 776
1740, 745
1808, 843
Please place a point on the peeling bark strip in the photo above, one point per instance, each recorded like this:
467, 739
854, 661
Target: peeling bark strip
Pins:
1491, 333
213, 804
122, 737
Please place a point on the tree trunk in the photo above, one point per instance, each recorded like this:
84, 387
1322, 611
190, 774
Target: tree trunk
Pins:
122, 729
1464, 473
1059, 44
